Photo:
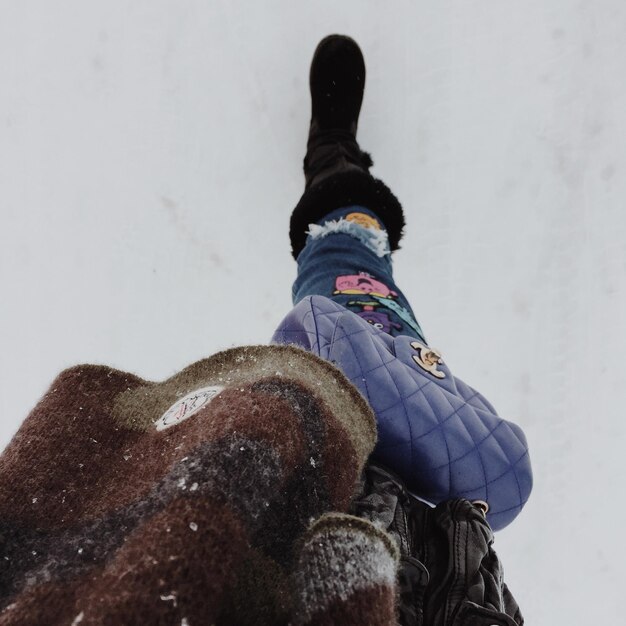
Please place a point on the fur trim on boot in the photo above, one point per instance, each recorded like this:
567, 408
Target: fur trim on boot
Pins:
345, 189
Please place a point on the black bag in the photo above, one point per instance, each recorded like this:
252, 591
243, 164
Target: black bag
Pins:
449, 574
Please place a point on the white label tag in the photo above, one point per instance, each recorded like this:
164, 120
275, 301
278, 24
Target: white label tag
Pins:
187, 406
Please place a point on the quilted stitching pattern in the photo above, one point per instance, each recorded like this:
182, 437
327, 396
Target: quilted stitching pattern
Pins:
440, 435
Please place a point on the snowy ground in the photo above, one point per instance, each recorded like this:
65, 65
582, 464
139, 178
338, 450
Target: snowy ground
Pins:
151, 154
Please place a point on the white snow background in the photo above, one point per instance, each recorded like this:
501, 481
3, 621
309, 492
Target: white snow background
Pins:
151, 153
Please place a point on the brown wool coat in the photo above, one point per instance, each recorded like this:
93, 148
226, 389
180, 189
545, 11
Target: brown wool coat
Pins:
204, 499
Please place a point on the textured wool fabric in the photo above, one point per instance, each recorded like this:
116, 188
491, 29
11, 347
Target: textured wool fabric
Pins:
124, 501
346, 573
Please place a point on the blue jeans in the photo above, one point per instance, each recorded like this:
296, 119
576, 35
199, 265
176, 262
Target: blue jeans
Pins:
347, 259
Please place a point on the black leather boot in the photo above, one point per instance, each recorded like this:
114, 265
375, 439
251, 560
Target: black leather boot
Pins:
337, 81
336, 170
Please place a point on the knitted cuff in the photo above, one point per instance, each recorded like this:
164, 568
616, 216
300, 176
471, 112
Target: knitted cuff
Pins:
346, 574
345, 189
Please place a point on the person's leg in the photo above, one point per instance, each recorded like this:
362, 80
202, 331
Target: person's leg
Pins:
347, 223
347, 258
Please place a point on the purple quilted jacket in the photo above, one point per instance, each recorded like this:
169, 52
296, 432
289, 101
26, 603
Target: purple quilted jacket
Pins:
443, 438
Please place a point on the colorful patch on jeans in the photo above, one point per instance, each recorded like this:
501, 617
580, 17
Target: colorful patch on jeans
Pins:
403, 313
362, 219
377, 319
362, 284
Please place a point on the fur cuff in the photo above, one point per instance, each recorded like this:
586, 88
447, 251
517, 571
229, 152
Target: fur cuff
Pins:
345, 189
